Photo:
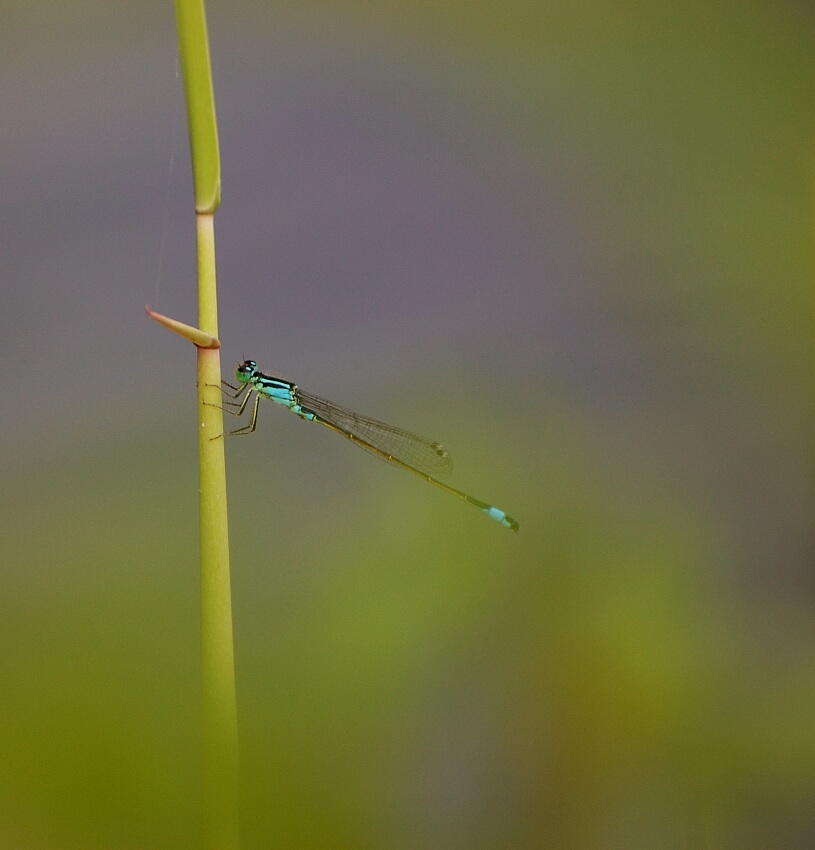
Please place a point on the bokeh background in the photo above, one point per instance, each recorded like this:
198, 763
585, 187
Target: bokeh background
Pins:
574, 242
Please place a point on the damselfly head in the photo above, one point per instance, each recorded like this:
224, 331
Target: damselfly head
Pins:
246, 370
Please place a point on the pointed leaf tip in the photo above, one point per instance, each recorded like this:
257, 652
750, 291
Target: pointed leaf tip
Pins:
196, 336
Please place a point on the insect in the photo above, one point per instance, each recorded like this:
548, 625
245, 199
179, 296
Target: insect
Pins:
425, 458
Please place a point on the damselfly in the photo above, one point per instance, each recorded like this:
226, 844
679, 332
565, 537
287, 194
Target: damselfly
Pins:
422, 457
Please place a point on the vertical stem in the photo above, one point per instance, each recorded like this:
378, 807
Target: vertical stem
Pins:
217, 659
220, 742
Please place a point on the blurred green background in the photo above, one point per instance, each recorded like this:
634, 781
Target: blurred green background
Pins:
572, 241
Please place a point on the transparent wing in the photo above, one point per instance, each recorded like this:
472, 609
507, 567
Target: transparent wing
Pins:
424, 455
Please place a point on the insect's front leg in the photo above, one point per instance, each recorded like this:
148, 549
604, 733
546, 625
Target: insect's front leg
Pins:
247, 429
241, 406
237, 390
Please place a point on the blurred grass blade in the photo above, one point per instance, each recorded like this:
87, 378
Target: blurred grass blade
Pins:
193, 45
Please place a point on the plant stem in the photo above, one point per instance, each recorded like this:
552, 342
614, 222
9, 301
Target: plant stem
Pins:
217, 660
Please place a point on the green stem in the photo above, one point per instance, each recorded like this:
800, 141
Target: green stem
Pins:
217, 658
